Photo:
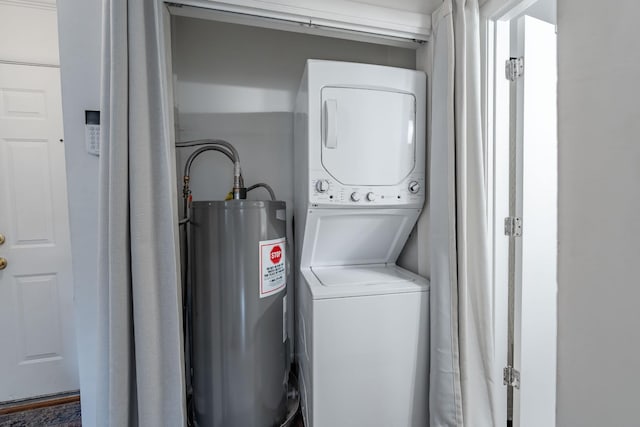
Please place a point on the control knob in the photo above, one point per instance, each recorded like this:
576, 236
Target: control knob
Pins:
414, 187
322, 186
355, 196
371, 197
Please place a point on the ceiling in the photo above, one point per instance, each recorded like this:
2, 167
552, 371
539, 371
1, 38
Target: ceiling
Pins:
544, 10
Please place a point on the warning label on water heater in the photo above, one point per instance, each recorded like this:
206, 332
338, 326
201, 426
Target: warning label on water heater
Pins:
273, 269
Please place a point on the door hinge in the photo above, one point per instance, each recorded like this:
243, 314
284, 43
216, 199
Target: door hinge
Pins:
514, 68
513, 226
511, 377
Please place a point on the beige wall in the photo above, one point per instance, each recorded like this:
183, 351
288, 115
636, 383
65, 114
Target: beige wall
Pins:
599, 213
80, 24
29, 32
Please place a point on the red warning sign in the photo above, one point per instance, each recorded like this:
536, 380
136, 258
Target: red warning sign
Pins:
276, 254
273, 269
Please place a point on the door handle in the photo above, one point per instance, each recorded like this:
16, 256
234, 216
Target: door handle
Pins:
331, 123
2, 239
3, 263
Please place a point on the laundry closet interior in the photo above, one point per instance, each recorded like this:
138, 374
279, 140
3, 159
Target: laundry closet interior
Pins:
235, 77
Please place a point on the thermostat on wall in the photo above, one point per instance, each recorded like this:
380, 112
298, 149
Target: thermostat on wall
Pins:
92, 131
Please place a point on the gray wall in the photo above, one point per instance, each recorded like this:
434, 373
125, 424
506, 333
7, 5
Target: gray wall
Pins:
79, 33
239, 83
599, 220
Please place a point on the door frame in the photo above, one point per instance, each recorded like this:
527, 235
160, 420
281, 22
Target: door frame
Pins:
493, 15
496, 16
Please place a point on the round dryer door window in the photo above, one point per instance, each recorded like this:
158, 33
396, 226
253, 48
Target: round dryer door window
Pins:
368, 135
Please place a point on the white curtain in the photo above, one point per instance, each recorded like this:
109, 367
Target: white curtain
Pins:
140, 369
461, 375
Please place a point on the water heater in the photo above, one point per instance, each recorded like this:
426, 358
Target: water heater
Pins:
239, 273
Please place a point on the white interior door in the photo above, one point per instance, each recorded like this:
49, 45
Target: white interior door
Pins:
535, 328
37, 351
523, 184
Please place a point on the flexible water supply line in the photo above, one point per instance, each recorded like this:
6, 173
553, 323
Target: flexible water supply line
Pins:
192, 157
266, 187
186, 191
231, 153
239, 192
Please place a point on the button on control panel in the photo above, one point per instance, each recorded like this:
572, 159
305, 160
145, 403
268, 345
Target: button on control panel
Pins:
355, 196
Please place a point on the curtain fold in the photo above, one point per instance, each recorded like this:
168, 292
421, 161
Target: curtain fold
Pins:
140, 369
461, 374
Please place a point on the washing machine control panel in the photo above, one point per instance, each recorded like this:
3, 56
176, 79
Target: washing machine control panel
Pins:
326, 191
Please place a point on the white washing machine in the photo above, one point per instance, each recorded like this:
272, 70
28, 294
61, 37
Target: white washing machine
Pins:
362, 322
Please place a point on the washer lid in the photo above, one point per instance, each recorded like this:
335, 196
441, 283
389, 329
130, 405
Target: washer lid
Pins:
368, 135
360, 275
355, 236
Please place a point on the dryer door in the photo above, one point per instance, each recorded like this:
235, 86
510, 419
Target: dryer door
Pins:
368, 135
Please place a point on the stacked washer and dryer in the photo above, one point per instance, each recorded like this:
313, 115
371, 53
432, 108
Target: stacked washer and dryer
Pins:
362, 322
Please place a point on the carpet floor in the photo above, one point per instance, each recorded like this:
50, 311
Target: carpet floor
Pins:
65, 415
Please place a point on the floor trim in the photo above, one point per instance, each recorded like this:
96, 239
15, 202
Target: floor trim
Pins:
26, 405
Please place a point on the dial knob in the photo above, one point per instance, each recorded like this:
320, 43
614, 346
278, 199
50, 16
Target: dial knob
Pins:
355, 196
414, 187
371, 197
322, 186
